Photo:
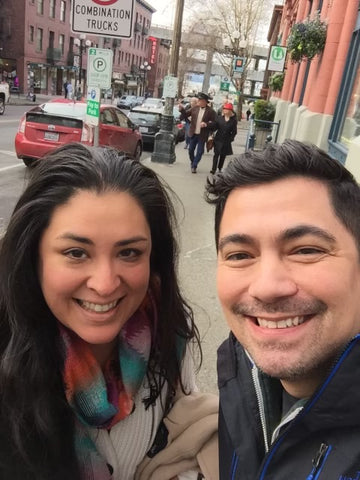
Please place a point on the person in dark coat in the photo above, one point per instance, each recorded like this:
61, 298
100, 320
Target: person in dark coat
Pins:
202, 116
226, 130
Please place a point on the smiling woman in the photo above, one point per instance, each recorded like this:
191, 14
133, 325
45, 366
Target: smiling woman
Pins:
95, 334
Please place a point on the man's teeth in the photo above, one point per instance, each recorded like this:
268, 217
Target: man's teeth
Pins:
286, 323
96, 307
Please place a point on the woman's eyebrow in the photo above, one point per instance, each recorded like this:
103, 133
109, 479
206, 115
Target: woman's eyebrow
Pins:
88, 241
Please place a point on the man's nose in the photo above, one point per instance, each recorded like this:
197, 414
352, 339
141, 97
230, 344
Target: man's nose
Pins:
104, 278
271, 280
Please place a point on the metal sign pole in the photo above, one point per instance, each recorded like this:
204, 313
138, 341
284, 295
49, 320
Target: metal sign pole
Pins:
96, 131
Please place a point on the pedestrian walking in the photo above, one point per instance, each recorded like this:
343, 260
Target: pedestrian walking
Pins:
96, 337
200, 116
189, 106
287, 229
65, 89
225, 127
69, 90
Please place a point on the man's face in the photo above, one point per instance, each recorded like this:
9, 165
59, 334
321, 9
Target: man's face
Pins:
288, 278
202, 102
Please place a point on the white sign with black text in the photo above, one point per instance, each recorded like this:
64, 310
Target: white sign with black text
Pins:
108, 18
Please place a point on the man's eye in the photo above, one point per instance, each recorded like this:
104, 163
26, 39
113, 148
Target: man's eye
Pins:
236, 256
75, 253
308, 251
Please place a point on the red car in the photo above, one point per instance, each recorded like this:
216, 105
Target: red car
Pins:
45, 127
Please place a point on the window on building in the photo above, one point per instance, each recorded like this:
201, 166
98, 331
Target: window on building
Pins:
31, 33
51, 39
138, 41
52, 8
62, 43
39, 39
62, 10
346, 121
40, 7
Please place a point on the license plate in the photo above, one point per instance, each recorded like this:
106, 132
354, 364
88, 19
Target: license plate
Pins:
51, 136
143, 129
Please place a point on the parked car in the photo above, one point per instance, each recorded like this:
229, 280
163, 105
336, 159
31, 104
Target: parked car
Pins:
127, 101
4, 96
153, 102
139, 101
57, 122
149, 121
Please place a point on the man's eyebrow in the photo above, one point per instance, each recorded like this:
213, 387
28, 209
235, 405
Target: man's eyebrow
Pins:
236, 238
302, 230
88, 241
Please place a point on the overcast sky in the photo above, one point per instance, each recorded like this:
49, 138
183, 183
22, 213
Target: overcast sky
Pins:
165, 11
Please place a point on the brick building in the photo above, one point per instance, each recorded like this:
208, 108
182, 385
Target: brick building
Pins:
319, 101
38, 47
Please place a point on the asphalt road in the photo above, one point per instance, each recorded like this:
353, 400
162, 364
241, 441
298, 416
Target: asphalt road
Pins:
197, 257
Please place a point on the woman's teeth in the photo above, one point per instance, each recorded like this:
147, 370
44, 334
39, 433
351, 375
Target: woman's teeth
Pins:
96, 307
286, 323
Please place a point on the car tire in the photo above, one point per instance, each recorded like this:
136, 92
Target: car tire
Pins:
29, 162
2, 106
138, 151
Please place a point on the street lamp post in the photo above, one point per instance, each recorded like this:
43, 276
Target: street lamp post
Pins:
83, 45
145, 68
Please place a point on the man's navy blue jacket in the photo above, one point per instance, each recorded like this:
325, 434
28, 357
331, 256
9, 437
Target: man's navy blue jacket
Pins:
320, 442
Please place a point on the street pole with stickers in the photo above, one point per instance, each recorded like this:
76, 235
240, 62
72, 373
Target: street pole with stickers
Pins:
164, 146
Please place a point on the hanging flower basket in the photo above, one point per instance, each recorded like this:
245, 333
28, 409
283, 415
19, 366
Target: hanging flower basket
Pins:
307, 39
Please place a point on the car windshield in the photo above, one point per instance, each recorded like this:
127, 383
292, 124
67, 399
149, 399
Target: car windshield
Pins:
144, 117
76, 110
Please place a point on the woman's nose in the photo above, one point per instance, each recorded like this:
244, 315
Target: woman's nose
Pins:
271, 280
104, 278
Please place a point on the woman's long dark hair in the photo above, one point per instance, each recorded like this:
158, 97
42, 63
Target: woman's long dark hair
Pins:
37, 428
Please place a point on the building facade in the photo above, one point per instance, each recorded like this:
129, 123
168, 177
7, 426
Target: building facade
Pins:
39, 52
318, 101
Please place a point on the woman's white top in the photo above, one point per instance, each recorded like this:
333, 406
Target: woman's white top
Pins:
126, 444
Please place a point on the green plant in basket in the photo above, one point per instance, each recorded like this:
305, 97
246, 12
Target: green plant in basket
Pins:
307, 39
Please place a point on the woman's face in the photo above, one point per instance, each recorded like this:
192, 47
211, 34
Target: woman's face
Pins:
94, 264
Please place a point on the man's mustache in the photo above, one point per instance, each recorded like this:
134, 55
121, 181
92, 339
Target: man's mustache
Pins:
288, 306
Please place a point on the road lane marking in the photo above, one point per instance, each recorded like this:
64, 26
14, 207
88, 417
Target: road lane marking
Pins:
8, 152
9, 121
11, 167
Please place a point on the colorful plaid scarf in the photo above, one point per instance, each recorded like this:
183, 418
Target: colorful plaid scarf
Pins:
102, 398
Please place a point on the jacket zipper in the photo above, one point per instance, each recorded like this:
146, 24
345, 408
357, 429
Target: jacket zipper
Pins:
260, 402
318, 461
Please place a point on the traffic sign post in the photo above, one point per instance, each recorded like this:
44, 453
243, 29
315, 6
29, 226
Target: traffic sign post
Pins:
108, 18
99, 69
93, 105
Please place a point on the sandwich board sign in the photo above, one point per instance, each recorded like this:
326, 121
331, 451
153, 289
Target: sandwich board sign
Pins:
107, 18
99, 65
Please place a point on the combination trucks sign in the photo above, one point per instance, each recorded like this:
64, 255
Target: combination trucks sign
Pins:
107, 18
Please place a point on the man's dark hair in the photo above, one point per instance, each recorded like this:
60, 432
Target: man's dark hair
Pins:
290, 159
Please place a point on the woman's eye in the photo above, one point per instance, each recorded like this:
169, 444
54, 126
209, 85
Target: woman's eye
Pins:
76, 253
129, 253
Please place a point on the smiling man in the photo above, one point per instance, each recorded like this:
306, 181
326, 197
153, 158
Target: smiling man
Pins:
287, 230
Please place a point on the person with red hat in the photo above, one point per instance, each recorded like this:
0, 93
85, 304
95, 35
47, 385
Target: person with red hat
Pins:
226, 130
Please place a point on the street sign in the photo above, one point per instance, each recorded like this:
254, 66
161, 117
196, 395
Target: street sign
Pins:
277, 58
93, 105
170, 86
108, 18
99, 69
239, 64
224, 86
